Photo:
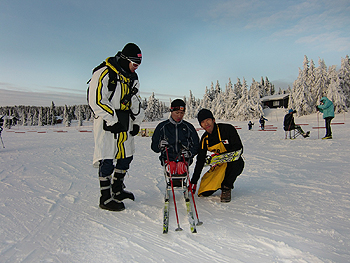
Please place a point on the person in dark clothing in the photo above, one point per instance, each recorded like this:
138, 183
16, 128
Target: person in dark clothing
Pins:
176, 139
289, 124
250, 125
218, 138
262, 122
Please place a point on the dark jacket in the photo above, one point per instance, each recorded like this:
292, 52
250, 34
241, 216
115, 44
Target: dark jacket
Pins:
230, 139
288, 123
177, 135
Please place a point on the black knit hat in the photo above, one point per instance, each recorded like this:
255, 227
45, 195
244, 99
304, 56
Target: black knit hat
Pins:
204, 114
177, 104
133, 52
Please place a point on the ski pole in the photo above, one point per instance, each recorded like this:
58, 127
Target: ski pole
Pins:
172, 189
318, 126
194, 202
1, 138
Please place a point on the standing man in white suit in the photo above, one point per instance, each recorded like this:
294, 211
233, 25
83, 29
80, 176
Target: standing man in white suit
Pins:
114, 98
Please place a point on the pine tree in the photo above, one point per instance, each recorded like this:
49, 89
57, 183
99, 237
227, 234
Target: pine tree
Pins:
335, 92
321, 81
237, 89
344, 77
191, 107
152, 112
301, 95
241, 111
66, 116
206, 102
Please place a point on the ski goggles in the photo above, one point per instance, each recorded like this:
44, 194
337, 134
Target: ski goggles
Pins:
134, 64
177, 108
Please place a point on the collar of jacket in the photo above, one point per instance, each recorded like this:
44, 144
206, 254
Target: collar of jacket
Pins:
112, 62
171, 120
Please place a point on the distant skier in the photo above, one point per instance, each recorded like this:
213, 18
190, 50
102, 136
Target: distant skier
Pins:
262, 122
175, 138
218, 138
250, 125
327, 108
114, 98
1, 129
289, 124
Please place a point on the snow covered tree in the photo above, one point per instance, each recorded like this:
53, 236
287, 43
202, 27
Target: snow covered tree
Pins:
218, 106
237, 89
335, 92
301, 95
79, 114
268, 88
40, 117
344, 78
230, 101
51, 114
321, 82
66, 116
153, 112
191, 107
241, 110
206, 101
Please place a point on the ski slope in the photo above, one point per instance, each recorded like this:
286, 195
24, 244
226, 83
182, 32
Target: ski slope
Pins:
291, 203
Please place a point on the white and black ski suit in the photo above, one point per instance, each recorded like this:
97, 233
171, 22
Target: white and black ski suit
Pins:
107, 107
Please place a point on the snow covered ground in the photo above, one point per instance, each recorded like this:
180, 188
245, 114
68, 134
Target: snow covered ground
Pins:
291, 204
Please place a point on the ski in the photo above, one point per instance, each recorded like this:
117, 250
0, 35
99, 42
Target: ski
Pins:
166, 213
222, 158
190, 216
190, 213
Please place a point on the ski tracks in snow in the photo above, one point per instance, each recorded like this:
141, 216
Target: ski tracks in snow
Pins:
288, 205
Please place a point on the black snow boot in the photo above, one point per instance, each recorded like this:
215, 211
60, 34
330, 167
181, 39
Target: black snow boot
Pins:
225, 194
118, 186
106, 200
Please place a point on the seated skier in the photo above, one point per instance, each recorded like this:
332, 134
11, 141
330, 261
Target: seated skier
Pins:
218, 138
177, 141
289, 124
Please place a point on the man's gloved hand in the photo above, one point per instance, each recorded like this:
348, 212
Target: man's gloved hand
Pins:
135, 130
317, 109
192, 188
186, 153
115, 128
163, 144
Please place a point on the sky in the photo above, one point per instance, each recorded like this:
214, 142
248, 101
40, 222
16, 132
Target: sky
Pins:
49, 48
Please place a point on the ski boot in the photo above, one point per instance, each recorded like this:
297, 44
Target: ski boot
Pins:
118, 187
106, 200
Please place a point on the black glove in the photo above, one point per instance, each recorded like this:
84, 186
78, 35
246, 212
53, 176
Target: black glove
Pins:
192, 188
135, 130
163, 144
186, 153
115, 128
317, 108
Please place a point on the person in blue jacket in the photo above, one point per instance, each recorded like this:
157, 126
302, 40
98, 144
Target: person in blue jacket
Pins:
175, 138
327, 108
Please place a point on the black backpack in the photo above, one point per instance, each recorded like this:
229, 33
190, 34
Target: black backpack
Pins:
112, 84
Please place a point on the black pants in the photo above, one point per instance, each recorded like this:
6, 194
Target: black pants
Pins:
328, 126
233, 170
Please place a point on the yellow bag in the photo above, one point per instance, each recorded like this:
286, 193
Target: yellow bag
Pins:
211, 180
